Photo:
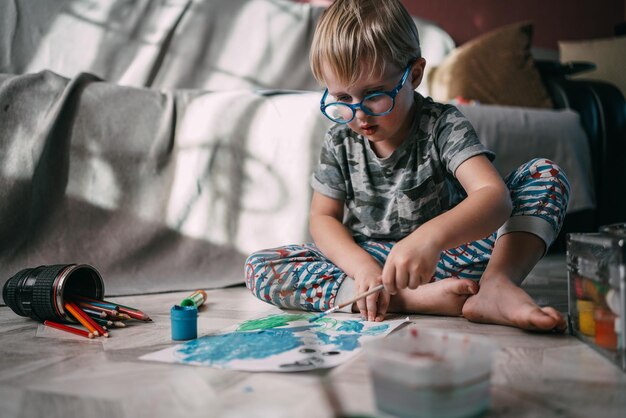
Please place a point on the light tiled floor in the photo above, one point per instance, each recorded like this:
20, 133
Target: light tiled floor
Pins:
534, 376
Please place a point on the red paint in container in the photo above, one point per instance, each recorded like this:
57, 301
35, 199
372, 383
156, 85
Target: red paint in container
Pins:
605, 328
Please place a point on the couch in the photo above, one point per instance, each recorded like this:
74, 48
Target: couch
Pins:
163, 141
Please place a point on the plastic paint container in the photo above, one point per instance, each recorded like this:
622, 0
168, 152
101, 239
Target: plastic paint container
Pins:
427, 373
184, 322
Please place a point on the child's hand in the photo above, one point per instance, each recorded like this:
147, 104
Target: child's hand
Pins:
411, 262
373, 307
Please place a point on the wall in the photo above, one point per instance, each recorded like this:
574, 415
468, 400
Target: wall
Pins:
554, 19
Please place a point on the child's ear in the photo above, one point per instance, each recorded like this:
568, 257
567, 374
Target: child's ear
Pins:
417, 72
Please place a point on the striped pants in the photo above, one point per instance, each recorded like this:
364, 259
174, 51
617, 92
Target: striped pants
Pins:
301, 277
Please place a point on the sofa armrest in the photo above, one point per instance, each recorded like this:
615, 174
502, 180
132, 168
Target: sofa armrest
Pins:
602, 110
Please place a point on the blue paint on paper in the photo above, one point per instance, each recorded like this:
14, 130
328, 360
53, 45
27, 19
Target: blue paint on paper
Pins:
323, 337
223, 348
351, 326
378, 329
346, 342
265, 337
303, 328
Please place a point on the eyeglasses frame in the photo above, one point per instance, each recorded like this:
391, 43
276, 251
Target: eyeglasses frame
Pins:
354, 107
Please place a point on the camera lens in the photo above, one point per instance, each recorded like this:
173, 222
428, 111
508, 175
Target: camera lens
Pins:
39, 292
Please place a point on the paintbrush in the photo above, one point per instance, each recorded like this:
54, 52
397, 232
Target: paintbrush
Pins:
350, 302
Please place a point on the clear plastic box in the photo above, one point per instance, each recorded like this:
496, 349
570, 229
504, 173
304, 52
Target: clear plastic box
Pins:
596, 264
427, 373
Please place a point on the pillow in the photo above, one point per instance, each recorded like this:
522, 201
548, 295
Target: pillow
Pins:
495, 68
608, 54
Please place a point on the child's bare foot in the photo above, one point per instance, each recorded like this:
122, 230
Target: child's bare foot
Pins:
499, 301
443, 297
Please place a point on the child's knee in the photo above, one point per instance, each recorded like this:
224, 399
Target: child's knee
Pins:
540, 174
553, 178
539, 189
547, 170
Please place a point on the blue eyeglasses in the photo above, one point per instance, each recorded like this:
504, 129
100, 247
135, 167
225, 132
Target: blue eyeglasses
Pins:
375, 104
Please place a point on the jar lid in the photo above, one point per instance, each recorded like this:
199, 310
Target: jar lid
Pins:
184, 312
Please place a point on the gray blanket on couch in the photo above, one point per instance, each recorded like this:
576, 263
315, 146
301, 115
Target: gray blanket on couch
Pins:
158, 190
74, 191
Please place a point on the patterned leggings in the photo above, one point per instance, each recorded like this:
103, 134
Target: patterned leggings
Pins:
301, 277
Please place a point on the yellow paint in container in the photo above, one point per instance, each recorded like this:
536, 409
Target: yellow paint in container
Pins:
586, 322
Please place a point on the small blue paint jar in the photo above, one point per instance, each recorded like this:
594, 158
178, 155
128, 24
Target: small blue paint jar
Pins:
184, 322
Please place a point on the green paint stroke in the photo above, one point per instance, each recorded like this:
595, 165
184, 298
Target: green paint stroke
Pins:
328, 323
272, 321
281, 320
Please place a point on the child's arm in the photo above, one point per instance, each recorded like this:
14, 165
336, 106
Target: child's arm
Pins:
412, 261
336, 242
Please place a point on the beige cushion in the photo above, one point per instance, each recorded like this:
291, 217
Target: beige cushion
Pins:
608, 54
495, 68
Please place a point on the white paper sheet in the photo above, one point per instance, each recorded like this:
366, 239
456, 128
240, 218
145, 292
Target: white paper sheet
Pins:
280, 343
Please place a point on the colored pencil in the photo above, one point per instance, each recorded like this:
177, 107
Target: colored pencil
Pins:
81, 319
134, 314
86, 317
102, 302
66, 328
109, 312
108, 304
103, 322
350, 302
130, 311
98, 303
95, 314
109, 323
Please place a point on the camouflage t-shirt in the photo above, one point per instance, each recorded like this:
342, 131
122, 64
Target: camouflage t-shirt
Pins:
388, 198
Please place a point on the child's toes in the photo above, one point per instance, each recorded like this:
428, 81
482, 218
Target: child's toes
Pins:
546, 319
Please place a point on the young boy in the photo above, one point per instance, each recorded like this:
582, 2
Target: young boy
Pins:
406, 195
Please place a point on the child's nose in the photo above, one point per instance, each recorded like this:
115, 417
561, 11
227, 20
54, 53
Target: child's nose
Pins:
360, 114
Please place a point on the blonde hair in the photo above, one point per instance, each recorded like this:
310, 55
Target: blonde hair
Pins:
354, 33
